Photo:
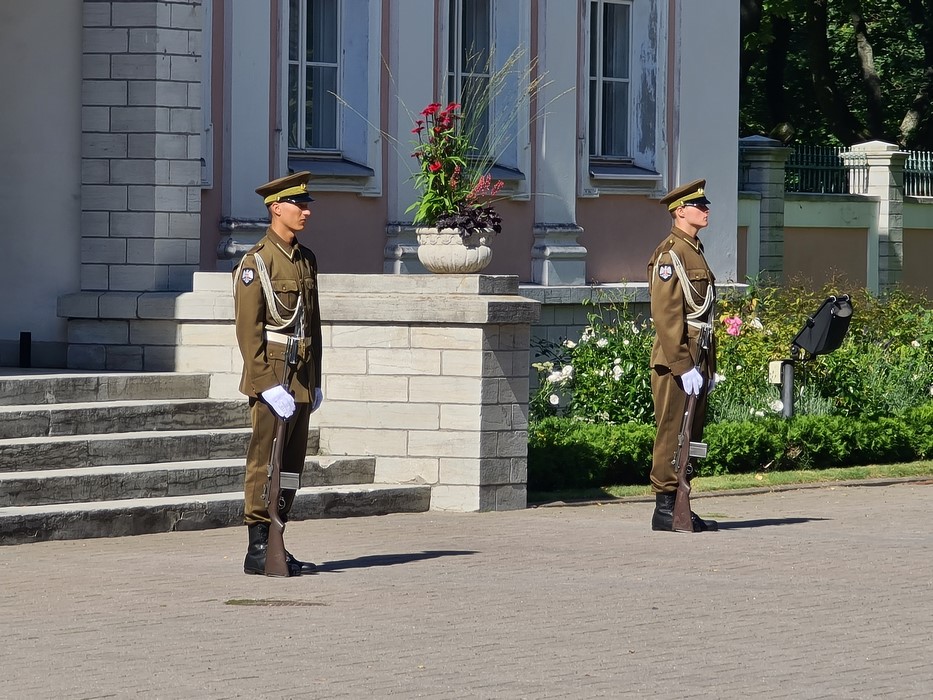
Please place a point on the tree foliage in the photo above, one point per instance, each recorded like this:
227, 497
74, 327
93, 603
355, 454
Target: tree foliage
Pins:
838, 71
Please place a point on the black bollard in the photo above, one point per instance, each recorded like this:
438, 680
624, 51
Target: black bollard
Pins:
25, 349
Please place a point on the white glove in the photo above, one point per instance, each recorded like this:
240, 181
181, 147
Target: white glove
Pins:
318, 399
692, 381
280, 401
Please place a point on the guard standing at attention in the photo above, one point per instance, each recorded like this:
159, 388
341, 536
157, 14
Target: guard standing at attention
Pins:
682, 292
276, 296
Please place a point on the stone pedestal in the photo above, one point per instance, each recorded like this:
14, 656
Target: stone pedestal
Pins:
428, 373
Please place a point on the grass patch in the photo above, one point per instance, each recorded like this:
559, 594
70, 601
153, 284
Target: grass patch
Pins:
731, 482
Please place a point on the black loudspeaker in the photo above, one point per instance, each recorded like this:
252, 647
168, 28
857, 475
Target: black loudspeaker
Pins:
826, 329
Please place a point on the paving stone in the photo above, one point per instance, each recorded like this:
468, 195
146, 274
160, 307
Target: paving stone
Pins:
811, 593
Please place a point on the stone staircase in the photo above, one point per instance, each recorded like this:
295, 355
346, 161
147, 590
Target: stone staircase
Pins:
114, 454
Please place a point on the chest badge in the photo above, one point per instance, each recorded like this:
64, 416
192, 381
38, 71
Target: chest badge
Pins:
248, 276
666, 271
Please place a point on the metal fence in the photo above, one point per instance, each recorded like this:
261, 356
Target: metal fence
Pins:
918, 174
824, 169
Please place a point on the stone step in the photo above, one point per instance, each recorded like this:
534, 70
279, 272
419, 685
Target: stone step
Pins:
20, 525
95, 417
49, 387
188, 478
65, 452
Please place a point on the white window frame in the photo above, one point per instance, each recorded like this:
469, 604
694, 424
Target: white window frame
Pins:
510, 32
596, 81
356, 164
643, 171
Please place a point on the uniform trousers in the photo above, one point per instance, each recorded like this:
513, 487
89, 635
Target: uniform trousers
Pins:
258, 454
670, 403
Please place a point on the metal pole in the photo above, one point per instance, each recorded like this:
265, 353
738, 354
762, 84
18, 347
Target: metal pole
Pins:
787, 388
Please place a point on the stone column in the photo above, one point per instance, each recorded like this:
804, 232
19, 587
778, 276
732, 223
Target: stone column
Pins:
557, 257
884, 180
141, 170
761, 170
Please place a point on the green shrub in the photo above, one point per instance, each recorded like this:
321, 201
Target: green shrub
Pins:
747, 446
564, 453
919, 423
813, 442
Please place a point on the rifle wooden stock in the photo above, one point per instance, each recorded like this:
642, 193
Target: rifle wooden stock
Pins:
276, 565
683, 522
683, 519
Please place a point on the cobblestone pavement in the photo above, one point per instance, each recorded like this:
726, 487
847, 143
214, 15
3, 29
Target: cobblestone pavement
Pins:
813, 593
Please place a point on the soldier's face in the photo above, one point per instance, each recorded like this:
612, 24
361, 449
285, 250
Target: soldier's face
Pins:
293, 214
697, 215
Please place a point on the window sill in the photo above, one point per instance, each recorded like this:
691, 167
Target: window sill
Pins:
335, 174
615, 177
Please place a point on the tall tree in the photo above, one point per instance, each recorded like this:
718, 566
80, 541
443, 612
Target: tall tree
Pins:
839, 71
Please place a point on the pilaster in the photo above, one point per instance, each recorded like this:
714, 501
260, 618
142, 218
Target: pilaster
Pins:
761, 164
885, 181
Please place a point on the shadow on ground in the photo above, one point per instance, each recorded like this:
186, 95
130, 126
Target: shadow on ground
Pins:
388, 559
765, 522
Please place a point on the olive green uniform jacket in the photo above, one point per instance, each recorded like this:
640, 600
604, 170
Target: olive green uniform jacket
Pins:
293, 272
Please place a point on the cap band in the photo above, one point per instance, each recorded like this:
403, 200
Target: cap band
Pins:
683, 200
291, 191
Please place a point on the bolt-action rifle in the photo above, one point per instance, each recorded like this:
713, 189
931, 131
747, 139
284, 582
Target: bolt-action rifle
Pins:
683, 521
276, 564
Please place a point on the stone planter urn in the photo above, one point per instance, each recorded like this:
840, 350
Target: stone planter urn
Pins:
445, 251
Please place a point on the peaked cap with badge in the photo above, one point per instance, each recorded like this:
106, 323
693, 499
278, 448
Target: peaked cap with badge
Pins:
691, 193
291, 188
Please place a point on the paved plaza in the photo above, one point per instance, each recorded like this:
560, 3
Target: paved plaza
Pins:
811, 593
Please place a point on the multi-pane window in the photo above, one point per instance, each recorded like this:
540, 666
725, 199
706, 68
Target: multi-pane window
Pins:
610, 78
313, 69
469, 60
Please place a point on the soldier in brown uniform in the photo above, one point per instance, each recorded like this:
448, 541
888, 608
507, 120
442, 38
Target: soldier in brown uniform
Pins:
276, 296
682, 292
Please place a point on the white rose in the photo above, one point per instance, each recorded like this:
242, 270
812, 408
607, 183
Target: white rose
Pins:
553, 399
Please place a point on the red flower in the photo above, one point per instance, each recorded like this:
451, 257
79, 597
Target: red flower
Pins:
431, 109
435, 166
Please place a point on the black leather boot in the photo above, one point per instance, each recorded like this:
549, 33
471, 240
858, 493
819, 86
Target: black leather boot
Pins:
255, 562
299, 568
663, 518
700, 525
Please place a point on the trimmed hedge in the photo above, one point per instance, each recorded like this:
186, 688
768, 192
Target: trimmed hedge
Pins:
565, 454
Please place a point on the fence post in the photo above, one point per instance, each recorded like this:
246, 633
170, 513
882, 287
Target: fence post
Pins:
761, 164
885, 180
